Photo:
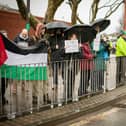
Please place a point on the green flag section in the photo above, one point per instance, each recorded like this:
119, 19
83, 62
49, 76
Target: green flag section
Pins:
24, 72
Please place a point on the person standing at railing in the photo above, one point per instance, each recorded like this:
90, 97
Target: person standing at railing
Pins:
4, 81
56, 66
39, 87
22, 39
86, 66
121, 57
73, 78
102, 54
38, 35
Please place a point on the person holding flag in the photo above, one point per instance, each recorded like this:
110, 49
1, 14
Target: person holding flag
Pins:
121, 59
22, 39
3, 58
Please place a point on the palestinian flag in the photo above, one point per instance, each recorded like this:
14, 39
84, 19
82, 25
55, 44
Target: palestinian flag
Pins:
23, 63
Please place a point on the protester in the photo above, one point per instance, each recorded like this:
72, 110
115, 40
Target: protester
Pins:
56, 43
4, 81
121, 59
102, 54
71, 72
39, 88
22, 39
38, 35
72, 63
86, 66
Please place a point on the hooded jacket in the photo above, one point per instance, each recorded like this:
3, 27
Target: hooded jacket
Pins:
87, 60
120, 47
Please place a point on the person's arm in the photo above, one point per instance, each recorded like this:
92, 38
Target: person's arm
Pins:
121, 46
87, 54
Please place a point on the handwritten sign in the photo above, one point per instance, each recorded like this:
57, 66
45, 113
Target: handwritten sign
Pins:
96, 43
71, 46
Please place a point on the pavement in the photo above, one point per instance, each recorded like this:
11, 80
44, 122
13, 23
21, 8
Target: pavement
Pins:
68, 111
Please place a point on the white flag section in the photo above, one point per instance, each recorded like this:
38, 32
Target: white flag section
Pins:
25, 67
71, 46
32, 58
96, 43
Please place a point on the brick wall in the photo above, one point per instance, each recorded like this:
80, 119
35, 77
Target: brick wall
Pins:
12, 22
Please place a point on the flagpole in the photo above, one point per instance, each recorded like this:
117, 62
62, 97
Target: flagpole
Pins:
28, 15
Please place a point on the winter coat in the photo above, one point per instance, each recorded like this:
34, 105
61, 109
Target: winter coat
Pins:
87, 59
120, 47
57, 54
101, 56
19, 38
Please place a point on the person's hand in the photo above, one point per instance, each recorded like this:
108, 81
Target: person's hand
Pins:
57, 46
80, 45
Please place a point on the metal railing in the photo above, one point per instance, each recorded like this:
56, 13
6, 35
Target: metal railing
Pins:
27, 88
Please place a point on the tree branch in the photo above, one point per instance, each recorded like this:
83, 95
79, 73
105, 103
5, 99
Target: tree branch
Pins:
93, 10
79, 20
74, 6
115, 3
51, 9
23, 11
113, 9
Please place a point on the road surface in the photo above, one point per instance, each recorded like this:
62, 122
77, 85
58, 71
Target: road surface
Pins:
114, 115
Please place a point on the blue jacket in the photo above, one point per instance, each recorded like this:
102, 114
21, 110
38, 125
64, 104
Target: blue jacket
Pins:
101, 56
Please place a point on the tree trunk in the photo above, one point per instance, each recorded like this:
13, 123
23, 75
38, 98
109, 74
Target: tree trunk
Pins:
51, 9
23, 11
94, 9
74, 14
74, 6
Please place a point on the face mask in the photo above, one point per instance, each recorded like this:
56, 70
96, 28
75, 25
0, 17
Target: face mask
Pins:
24, 35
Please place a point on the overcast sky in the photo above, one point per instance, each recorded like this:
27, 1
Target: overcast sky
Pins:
38, 8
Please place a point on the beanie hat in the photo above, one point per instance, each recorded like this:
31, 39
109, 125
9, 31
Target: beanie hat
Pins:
123, 32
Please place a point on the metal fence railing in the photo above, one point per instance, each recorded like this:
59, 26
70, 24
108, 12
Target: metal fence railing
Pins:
26, 88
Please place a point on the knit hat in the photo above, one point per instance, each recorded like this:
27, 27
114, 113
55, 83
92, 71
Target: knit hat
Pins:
123, 32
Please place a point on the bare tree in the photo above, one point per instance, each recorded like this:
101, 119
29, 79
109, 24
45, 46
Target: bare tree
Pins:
94, 9
23, 11
51, 9
74, 6
111, 5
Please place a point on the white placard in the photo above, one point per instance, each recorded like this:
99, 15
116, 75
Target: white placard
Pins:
71, 46
96, 43
22, 44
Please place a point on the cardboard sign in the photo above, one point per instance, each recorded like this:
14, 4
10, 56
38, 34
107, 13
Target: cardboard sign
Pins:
96, 43
71, 46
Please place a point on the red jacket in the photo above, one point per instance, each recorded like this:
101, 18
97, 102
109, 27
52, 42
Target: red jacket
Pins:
3, 55
87, 59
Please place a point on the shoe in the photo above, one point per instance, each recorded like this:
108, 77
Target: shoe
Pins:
60, 104
75, 100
